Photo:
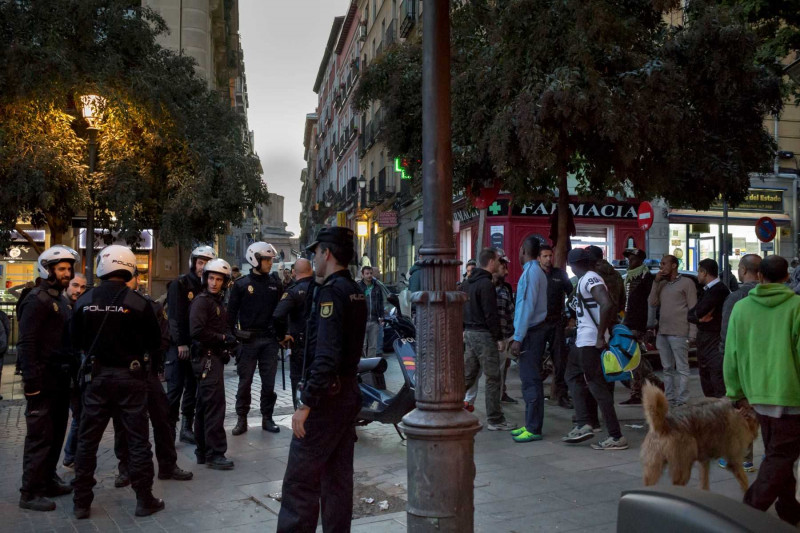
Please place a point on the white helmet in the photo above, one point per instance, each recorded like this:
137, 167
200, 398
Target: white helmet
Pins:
206, 252
54, 255
116, 259
218, 266
258, 251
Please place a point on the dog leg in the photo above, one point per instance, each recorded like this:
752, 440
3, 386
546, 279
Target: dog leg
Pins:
738, 472
704, 475
652, 471
680, 472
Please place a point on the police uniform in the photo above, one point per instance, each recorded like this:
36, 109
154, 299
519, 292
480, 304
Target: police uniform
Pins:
45, 357
252, 302
180, 378
118, 383
158, 409
209, 330
290, 315
320, 465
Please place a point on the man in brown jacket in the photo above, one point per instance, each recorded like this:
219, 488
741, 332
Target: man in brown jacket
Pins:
674, 294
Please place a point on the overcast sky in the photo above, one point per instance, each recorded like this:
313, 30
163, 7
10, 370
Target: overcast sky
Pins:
283, 43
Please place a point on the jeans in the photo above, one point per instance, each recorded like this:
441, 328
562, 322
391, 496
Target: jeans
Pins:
264, 354
480, 353
371, 338
674, 353
776, 481
530, 374
75, 400
599, 388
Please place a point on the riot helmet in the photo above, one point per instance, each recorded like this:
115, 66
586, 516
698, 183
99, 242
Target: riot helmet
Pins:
116, 260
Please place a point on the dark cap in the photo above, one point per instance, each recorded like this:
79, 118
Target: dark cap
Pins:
580, 255
336, 235
635, 252
595, 251
472, 262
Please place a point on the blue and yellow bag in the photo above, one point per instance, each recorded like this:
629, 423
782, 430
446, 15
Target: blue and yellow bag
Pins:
622, 356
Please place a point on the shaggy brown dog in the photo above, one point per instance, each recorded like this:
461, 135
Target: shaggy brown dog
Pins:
699, 432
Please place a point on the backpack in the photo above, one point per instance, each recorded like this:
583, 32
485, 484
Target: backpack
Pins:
622, 356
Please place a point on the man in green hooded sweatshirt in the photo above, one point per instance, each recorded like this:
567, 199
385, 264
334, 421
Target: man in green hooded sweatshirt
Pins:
762, 368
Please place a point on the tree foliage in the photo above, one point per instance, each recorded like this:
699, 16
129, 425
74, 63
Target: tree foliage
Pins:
601, 90
173, 156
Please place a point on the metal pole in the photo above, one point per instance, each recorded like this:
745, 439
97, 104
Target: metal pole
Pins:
725, 251
89, 271
441, 434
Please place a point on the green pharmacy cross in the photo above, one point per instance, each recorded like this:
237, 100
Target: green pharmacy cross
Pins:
495, 208
400, 166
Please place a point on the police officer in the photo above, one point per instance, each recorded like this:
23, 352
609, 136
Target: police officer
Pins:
253, 300
292, 309
157, 408
212, 343
321, 453
45, 357
178, 368
116, 328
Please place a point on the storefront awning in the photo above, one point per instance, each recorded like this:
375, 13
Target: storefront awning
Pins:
689, 216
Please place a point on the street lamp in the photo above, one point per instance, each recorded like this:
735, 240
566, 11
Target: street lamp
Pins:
362, 182
92, 107
441, 434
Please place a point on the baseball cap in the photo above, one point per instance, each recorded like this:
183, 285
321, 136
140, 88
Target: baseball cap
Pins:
335, 235
636, 252
579, 255
595, 251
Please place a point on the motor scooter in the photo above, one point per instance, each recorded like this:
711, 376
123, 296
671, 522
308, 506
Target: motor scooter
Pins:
380, 405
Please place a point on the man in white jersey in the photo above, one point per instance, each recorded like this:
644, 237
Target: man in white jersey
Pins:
596, 313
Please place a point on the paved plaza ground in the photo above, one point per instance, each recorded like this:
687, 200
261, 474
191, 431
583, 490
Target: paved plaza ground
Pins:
538, 486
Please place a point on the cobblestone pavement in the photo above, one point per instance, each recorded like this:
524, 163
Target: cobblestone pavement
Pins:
539, 486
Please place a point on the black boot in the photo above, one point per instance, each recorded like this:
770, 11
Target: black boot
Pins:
122, 480
187, 435
177, 473
148, 505
241, 426
57, 487
81, 513
37, 503
268, 425
220, 462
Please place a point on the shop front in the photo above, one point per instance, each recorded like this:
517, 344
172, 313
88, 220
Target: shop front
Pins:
18, 263
697, 235
611, 225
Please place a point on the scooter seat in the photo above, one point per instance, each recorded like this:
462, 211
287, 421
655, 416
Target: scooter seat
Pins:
373, 364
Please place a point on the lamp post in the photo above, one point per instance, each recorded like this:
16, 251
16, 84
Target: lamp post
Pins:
441, 470
91, 109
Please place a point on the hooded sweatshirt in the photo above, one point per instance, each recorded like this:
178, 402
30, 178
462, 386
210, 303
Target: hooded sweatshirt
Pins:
762, 347
480, 311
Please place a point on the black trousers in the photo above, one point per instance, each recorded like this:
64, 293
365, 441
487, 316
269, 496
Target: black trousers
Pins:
114, 392
776, 482
163, 431
558, 351
180, 384
296, 370
209, 429
320, 468
46, 418
590, 390
709, 362
264, 354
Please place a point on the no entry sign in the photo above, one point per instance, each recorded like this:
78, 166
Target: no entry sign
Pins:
766, 229
645, 215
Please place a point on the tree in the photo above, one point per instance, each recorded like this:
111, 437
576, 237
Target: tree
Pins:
173, 156
599, 90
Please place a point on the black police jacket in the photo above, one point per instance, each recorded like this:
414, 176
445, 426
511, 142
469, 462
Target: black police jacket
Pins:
44, 347
253, 300
336, 326
130, 329
208, 321
158, 359
290, 314
180, 294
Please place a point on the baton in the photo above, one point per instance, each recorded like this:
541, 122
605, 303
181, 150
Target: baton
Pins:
283, 367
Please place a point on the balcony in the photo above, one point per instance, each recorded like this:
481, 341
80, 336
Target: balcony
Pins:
408, 16
362, 31
385, 187
373, 194
379, 50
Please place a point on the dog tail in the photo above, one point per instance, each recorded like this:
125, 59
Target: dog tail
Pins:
656, 408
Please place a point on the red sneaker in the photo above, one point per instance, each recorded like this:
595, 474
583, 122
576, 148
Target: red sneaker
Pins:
469, 407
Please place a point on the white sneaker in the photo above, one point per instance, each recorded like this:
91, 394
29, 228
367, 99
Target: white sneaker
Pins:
501, 426
611, 444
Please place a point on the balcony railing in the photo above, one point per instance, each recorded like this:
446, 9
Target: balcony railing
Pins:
408, 16
391, 34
